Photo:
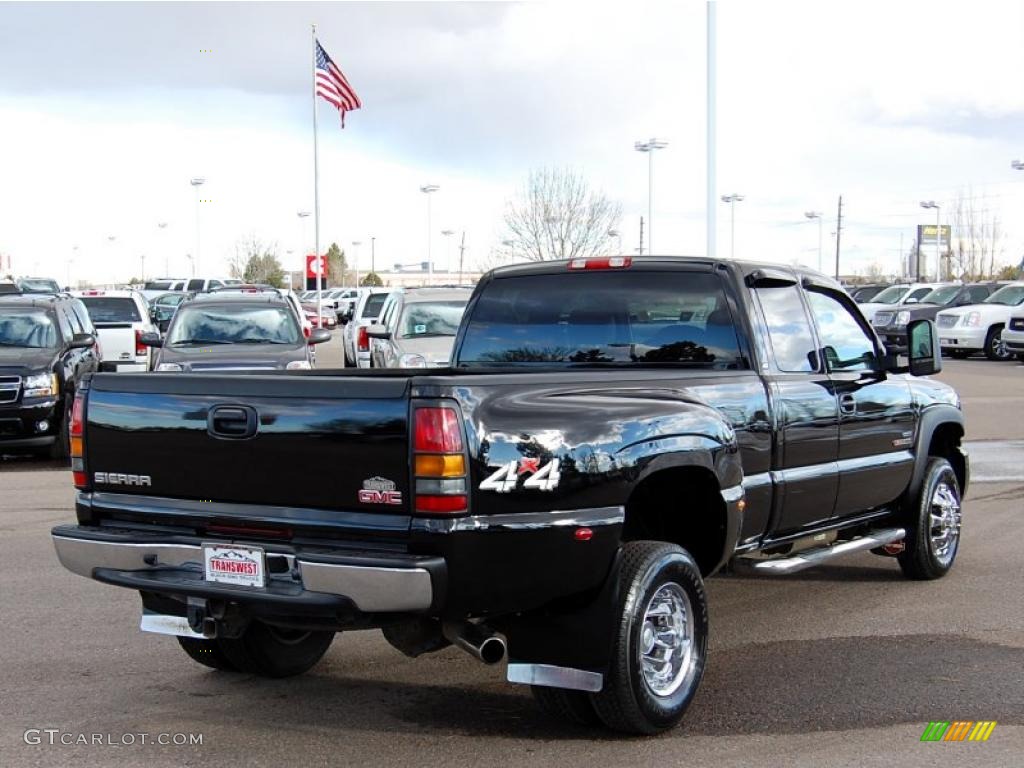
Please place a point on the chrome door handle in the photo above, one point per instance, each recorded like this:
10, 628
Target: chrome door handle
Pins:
848, 404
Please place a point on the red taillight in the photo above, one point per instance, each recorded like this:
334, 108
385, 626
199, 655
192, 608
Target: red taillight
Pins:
608, 262
363, 339
140, 348
76, 431
444, 505
437, 431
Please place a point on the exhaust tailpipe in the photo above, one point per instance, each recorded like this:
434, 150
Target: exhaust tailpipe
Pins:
476, 640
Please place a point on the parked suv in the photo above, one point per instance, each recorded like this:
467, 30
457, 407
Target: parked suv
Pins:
1013, 335
44, 352
232, 331
891, 324
897, 296
355, 337
121, 318
979, 327
417, 328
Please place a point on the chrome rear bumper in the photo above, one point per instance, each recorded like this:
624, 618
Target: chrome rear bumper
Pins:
403, 585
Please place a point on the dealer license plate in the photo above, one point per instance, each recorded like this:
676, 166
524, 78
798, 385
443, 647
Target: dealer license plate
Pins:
232, 564
947, 342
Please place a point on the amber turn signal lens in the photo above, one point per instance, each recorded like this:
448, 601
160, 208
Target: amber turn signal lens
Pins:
76, 446
440, 465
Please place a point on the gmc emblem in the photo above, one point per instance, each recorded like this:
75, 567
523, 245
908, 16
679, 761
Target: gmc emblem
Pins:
367, 496
116, 478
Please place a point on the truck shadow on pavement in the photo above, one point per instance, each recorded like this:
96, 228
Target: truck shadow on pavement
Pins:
779, 687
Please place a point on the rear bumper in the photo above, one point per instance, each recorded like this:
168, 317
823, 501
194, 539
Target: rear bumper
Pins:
297, 578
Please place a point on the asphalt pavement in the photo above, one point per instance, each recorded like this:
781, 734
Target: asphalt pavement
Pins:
842, 665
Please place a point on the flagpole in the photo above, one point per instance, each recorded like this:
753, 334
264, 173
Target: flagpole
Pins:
316, 199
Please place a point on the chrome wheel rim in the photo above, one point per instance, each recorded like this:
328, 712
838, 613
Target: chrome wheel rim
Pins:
666, 645
999, 347
944, 521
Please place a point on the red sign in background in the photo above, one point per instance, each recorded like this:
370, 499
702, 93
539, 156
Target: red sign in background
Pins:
312, 263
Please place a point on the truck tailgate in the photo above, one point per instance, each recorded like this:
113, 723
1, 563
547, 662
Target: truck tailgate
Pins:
316, 441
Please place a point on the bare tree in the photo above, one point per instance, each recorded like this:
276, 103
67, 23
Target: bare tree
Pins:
977, 239
558, 216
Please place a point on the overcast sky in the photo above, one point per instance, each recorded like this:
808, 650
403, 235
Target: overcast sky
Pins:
107, 111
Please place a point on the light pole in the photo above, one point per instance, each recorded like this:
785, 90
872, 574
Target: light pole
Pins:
355, 257
162, 225
618, 237
938, 236
448, 248
74, 252
196, 184
649, 147
427, 189
191, 264
302, 246
816, 215
142, 258
373, 255
732, 200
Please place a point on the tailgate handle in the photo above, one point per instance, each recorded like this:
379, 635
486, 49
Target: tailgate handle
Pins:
232, 421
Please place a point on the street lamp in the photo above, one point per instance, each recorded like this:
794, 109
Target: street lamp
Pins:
355, 258
162, 225
427, 189
938, 235
618, 237
74, 252
649, 147
373, 254
448, 248
732, 200
816, 215
197, 183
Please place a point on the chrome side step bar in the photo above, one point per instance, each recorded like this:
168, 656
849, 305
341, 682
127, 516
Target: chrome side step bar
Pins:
811, 557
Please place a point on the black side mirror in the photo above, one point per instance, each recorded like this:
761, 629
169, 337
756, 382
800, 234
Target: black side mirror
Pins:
151, 340
82, 341
318, 336
924, 350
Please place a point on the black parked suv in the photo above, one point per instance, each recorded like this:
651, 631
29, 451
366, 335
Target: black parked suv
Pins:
47, 344
228, 331
891, 325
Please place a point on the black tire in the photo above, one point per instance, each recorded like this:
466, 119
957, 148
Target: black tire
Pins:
994, 349
958, 354
574, 706
275, 652
60, 449
628, 702
206, 652
924, 556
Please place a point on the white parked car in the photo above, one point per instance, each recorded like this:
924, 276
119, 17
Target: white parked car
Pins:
1013, 335
356, 339
162, 285
120, 318
417, 327
896, 296
979, 327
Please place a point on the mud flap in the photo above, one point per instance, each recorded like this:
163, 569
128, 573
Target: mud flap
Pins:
568, 645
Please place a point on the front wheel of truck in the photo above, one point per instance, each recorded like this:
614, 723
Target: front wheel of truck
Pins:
660, 640
271, 651
933, 530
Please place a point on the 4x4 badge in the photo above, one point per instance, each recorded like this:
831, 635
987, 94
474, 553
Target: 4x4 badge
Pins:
542, 477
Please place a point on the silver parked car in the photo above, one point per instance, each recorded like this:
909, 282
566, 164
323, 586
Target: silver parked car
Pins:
417, 328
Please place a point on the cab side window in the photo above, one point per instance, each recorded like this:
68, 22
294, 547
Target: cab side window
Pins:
64, 323
74, 319
195, 285
978, 293
789, 330
847, 345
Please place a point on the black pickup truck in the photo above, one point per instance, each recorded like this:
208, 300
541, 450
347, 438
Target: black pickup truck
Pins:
609, 433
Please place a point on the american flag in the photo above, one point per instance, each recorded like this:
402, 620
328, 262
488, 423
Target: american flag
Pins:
332, 86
